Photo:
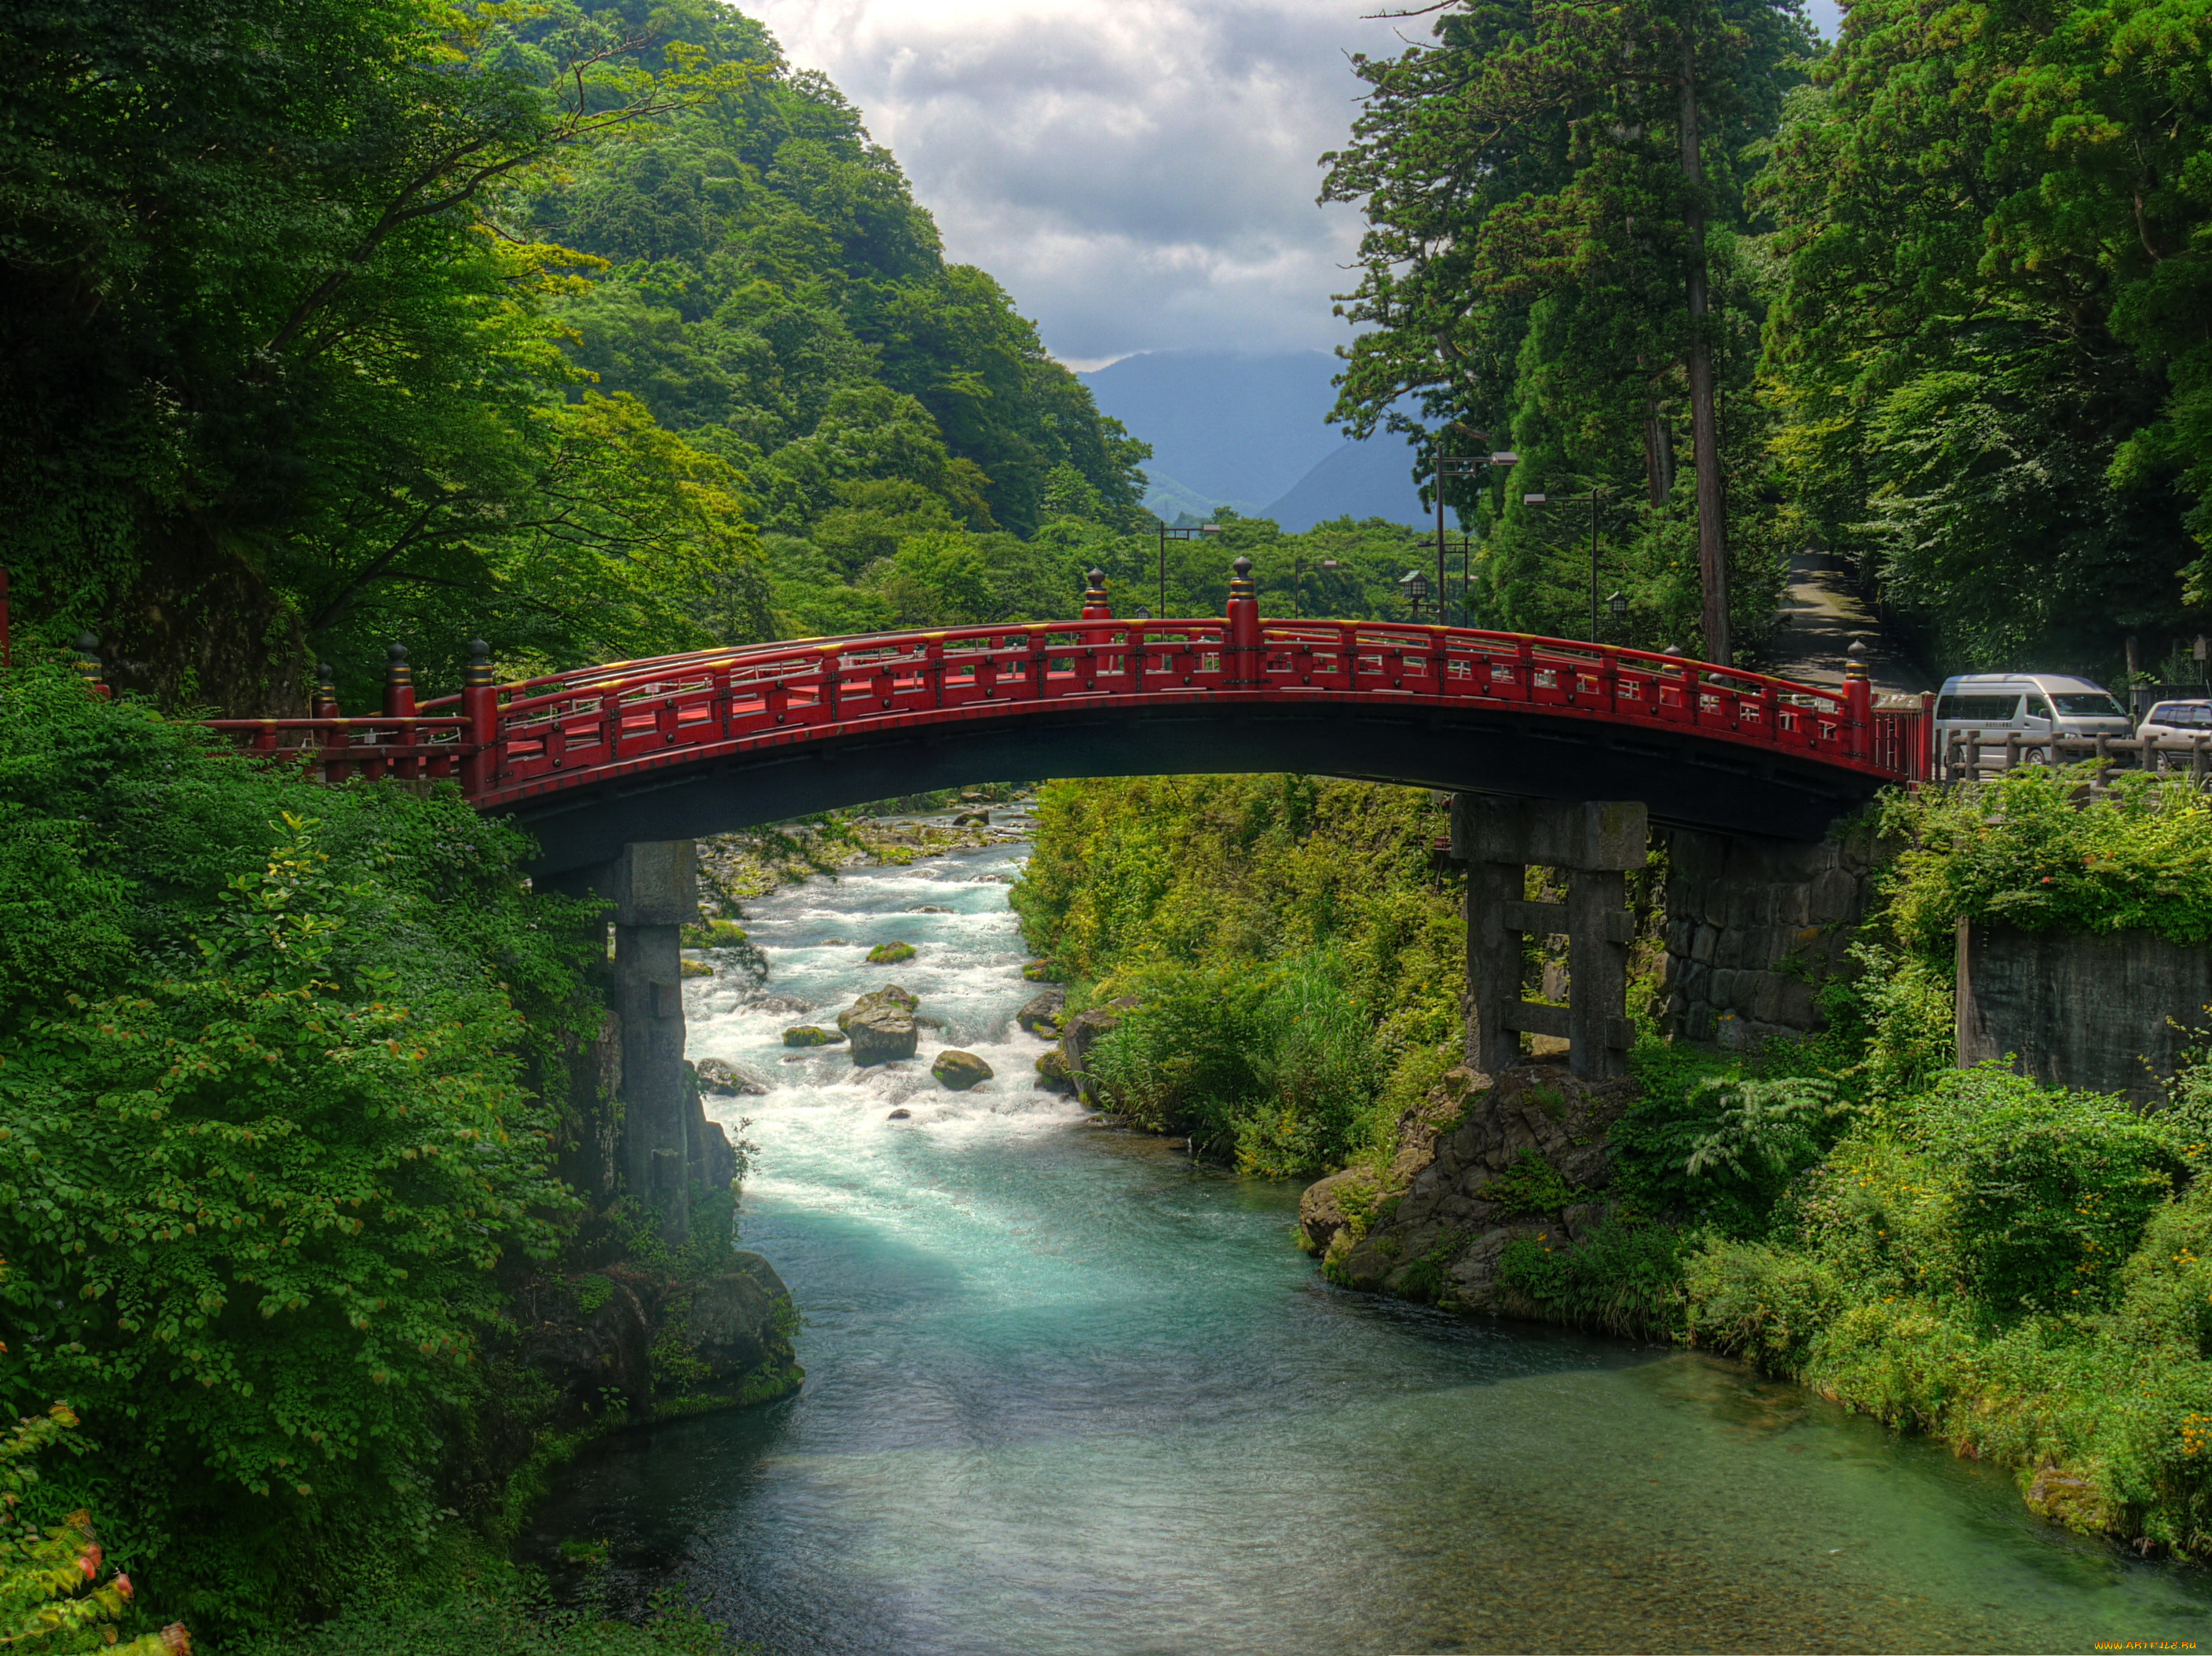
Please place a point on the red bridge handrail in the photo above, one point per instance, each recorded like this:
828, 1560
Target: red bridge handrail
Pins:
561, 730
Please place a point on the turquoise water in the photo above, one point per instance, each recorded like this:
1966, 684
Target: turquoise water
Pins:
1066, 1394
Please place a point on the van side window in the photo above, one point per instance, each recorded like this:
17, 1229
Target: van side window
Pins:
1978, 709
2038, 708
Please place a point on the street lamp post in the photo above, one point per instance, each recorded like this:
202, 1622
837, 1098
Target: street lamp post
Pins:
1575, 500
1168, 534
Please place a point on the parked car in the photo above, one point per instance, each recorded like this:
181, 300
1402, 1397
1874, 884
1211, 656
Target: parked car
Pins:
2179, 722
2035, 707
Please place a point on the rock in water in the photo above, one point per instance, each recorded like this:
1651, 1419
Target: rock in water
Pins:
900, 1115
960, 1070
1040, 1014
889, 994
720, 1075
814, 1034
890, 954
694, 969
1052, 1072
883, 1033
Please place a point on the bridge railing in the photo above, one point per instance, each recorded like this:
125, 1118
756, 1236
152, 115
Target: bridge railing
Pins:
503, 742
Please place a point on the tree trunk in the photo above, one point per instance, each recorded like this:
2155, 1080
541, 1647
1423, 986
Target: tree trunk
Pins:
1704, 424
199, 626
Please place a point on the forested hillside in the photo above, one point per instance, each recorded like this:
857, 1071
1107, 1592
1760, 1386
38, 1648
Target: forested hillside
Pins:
1959, 272
324, 325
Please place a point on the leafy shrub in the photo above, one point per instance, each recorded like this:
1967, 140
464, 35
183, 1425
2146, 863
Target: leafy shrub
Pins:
2020, 849
2054, 1188
1530, 1186
262, 1144
1707, 1143
1625, 1278
49, 1601
1278, 1063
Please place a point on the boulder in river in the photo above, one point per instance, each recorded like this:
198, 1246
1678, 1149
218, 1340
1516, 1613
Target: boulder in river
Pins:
1039, 1014
889, 994
881, 1028
813, 1035
1052, 1072
720, 1075
959, 1070
890, 954
900, 1115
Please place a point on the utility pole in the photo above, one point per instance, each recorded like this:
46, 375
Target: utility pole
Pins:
1705, 423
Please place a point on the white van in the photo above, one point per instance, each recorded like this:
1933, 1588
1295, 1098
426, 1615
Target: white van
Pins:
2033, 706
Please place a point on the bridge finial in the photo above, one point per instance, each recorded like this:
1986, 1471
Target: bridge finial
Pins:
398, 684
477, 673
1855, 661
326, 690
1096, 605
1240, 585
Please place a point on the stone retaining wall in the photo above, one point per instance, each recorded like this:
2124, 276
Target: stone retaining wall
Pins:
1754, 926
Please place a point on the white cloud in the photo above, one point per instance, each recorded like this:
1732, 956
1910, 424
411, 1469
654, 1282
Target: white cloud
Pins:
1139, 173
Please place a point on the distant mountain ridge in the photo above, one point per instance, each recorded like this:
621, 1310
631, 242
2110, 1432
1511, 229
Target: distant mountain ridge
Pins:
1251, 432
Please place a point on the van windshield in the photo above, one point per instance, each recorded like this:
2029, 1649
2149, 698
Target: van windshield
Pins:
2083, 706
1980, 710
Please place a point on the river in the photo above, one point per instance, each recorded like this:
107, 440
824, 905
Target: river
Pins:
1066, 1394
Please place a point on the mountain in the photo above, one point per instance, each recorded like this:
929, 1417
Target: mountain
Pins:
1359, 480
1245, 431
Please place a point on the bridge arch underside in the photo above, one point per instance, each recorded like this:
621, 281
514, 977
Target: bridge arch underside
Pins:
1684, 779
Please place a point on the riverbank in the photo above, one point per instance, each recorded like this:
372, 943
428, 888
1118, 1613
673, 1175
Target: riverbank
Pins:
1068, 1393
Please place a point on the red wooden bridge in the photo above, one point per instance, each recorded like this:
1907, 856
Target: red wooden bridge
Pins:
685, 745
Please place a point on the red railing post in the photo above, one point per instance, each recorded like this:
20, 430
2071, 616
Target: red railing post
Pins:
1096, 605
1243, 652
399, 704
480, 766
1858, 700
326, 701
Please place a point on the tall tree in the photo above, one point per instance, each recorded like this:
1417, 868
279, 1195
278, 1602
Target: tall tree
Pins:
1580, 163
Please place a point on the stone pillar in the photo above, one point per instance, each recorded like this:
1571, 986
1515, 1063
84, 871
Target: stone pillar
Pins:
1595, 845
654, 890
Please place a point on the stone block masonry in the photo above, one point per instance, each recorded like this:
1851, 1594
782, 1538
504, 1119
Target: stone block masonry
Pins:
1754, 926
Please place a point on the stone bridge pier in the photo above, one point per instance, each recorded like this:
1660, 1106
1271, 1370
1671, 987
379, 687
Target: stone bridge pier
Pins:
666, 1151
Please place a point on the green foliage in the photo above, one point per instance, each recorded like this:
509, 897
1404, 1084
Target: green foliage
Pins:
2020, 850
1623, 1277
1526, 273
49, 1601
502, 1613
1992, 227
263, 1146
1704, 1142
1274, 1063
1288, 936
1530, 1187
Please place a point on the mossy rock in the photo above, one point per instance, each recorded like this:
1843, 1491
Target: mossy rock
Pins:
890, 954
958, 1071
713, 934
811, 1035
1053, 1073
695, 968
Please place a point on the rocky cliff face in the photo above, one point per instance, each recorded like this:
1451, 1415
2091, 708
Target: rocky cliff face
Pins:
1480, 1162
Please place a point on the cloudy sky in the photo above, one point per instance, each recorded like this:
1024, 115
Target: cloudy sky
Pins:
1139, 173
